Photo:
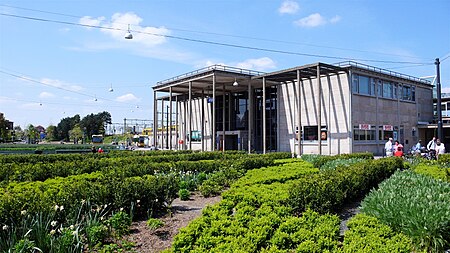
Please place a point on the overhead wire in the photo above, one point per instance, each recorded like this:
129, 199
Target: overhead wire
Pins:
231, 35
61, 88
212, 42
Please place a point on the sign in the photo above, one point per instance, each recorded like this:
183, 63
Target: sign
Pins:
388, 128
364, 126
210, 100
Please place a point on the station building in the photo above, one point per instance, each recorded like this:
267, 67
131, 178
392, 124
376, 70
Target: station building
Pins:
312, 109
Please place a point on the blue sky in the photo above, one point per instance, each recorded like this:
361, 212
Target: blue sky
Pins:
51, 70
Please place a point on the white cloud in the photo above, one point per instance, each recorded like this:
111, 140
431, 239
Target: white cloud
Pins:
312, 20
45, 94
315, 20
335, 19
60, 84
116, 28
261, 64
128, 98
89, 21
288, 7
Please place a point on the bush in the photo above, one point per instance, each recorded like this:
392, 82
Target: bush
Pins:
416, 205
367, 234
319, 160
153, 223
184, 194
328, 190
97, 233
433, 171
120, 222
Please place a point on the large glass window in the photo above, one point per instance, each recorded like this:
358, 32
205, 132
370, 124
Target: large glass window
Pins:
271, 118
387, 89
355, 83
385, 132
364, 87
364, 134
310, 133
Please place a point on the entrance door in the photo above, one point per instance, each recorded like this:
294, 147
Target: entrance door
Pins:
231, 142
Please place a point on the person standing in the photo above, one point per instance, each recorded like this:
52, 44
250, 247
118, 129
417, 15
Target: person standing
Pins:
440, 148
432, 144
398, 149
388, 147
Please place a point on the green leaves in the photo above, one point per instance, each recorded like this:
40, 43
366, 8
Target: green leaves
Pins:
417, 205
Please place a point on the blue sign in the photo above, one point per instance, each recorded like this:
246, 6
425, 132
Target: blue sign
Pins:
210, 100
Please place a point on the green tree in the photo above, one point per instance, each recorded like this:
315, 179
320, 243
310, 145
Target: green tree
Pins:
31, 134
95, 123
76, 133
65, 125
18, 132
51, 133
3, 129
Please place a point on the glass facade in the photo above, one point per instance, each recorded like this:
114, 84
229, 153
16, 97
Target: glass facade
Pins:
271, 118
365, 85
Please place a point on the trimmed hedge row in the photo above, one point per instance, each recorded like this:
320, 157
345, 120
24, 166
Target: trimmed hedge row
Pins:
319, 160
367, 234
118, 187
153, 192
252, 218
327, 191
257, 213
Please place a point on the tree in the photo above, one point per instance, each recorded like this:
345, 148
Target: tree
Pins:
75, 134
3, 128
18, 132
65, 125
95, 123
32, 134
51, 133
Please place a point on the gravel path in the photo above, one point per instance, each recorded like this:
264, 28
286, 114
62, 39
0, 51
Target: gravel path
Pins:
183, 212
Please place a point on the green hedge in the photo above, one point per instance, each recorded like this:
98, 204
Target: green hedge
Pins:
415, 204
251, 213
328, 190
154, 192
319, 160
367, 234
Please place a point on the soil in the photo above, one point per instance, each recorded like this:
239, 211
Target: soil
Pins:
183, 212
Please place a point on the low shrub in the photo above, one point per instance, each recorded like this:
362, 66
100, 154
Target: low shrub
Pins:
184, 194
434, 171
153, 223
416, 205
367, 234
120, 223
328, 190
319, 160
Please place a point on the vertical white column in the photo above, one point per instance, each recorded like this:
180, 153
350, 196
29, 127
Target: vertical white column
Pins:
202, 130
299, 114
190, 115
213, 112
319, 110
155, 118
170, 118
264, 115
162, 123
250, 116
223, 119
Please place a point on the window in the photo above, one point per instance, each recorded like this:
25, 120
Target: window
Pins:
387, 89
355, 83
196, 136
363, 134
364, 87
310, 133
395, 93
385, 134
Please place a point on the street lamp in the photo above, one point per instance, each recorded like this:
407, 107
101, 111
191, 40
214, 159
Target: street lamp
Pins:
128, 35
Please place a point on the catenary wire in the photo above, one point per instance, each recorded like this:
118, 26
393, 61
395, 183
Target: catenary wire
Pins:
229, 35
212, 42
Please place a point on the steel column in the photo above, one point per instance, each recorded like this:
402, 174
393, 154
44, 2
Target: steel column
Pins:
170, 118
319, 109
155, 118
213, 112
299, 114
190, 115
264, 115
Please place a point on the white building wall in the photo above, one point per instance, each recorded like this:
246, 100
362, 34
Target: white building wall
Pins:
335, 102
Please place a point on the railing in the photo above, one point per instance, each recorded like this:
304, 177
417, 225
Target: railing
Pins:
209, 68
382, 71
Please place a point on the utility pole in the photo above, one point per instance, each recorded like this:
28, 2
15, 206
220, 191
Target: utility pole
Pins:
438, 104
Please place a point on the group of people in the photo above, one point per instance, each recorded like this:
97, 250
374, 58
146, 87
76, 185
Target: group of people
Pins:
393, 149
434, 147
95, 150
